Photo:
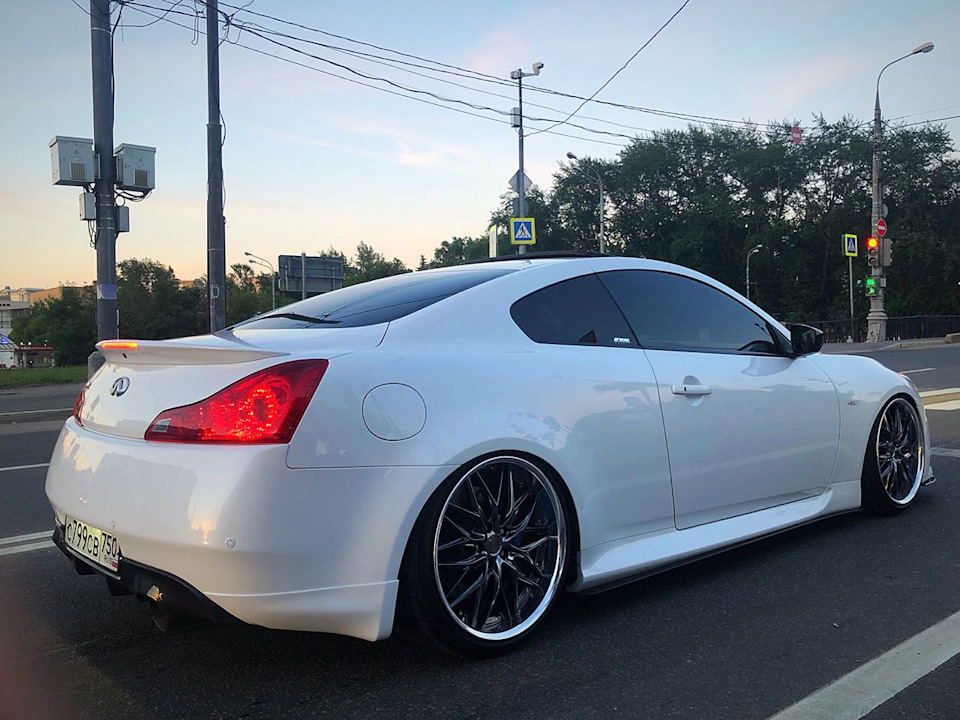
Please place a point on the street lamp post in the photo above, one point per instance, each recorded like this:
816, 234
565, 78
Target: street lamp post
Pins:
753, 251
579, 168
877, 317
519, 75
257, 260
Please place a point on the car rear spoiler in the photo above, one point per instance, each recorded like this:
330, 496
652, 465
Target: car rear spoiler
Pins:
188, 351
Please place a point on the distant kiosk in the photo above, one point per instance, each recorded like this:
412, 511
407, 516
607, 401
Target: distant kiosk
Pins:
323, 274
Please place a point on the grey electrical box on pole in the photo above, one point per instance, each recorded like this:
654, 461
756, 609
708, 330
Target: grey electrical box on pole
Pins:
216, 242
101, 56
72, 161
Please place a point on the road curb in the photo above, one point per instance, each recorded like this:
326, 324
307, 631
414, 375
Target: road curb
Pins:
34, 415
867, 348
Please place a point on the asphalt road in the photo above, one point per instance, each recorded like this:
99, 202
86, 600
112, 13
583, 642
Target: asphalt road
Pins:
741, 635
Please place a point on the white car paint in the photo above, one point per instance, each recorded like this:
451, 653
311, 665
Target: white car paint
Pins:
310, 535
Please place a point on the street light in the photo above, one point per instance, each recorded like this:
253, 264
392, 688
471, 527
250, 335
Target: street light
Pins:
585, 170
753, 251
257, 260
877, 317
517, 122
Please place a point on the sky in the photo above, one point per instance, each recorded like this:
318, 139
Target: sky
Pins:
312, 161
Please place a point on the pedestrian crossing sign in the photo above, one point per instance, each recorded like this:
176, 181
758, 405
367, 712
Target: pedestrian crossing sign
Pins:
850, 245
523, 231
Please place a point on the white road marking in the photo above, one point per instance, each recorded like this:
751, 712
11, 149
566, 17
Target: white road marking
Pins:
945, 391
24, 467
859, 692
945, 452
908, 372
45, 534
948, 405
33, 412
26, 548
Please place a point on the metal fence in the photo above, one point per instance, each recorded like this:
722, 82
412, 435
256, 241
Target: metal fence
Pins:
898, 328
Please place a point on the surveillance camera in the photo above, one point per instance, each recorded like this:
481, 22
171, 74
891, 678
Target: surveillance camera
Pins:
537, 67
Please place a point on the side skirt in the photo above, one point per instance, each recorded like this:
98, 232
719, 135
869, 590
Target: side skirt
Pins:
622, 562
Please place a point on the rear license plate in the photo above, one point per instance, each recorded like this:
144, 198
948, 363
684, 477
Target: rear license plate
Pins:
94, 543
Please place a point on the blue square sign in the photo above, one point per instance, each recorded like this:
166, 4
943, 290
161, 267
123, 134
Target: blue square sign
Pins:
523, 231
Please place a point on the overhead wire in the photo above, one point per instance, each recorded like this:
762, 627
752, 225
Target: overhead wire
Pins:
470, 74
138, 7
621, 69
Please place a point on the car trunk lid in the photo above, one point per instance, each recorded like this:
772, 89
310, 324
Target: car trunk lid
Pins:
142, 378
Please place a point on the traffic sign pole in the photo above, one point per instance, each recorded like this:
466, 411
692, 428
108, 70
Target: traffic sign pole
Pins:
853, 326
851, 248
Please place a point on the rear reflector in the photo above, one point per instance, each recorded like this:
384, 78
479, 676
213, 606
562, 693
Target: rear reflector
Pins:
265, 407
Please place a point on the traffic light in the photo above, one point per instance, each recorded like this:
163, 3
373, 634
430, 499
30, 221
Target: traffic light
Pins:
870, 285
873, 251
886, 252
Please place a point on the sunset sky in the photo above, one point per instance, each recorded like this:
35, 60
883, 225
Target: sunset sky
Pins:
312, 161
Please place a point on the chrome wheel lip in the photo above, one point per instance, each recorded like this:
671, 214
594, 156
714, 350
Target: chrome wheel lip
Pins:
901, 404
558, 565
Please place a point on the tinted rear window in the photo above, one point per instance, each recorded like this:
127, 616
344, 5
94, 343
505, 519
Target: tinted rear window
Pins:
375, 302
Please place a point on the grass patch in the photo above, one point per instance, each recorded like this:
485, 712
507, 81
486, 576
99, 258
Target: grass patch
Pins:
20, 377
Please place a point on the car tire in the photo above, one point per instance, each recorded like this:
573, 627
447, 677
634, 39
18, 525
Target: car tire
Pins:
894, 461
487, 557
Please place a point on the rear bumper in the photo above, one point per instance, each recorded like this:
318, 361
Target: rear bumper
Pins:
235, 528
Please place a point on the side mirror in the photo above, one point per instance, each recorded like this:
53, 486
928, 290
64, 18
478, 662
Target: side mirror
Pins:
805, 340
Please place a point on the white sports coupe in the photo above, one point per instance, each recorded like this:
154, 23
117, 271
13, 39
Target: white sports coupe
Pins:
459, 446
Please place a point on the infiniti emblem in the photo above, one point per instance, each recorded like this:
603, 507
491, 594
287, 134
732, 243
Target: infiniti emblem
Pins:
120, 386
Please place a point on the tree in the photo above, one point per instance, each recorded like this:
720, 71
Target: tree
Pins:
456, 251
154, 305
68, 324
367, 265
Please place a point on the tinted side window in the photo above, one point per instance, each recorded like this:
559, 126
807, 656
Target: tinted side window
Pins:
573, 312
672, 312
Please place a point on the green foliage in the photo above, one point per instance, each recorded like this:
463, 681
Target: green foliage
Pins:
68, 324
21, 377
368, 264
154, 305
455, 251
703, 197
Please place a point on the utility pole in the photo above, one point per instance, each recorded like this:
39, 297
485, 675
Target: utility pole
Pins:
216, 242
519, 75
877, 317
599, 178
101, 56
752, 252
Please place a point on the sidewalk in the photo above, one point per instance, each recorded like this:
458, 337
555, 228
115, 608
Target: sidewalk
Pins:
863, 348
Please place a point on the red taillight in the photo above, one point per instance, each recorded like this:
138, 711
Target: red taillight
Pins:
262, 408
78, 405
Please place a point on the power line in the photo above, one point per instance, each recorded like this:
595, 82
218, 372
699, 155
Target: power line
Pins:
136, 6
933, 120
486, 76
926, 112
471, 74
622, 68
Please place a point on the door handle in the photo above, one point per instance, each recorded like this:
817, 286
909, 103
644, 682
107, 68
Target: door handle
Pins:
691, 389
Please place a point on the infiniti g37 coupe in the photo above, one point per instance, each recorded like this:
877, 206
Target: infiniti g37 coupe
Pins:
459, 446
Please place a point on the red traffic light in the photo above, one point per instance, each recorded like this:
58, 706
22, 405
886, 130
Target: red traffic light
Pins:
872, 243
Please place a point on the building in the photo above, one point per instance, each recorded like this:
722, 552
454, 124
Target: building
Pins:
32, 296
9, 309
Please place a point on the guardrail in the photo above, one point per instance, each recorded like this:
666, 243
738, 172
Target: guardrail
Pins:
910, 327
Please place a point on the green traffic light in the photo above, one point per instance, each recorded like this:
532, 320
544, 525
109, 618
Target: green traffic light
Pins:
871, 282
